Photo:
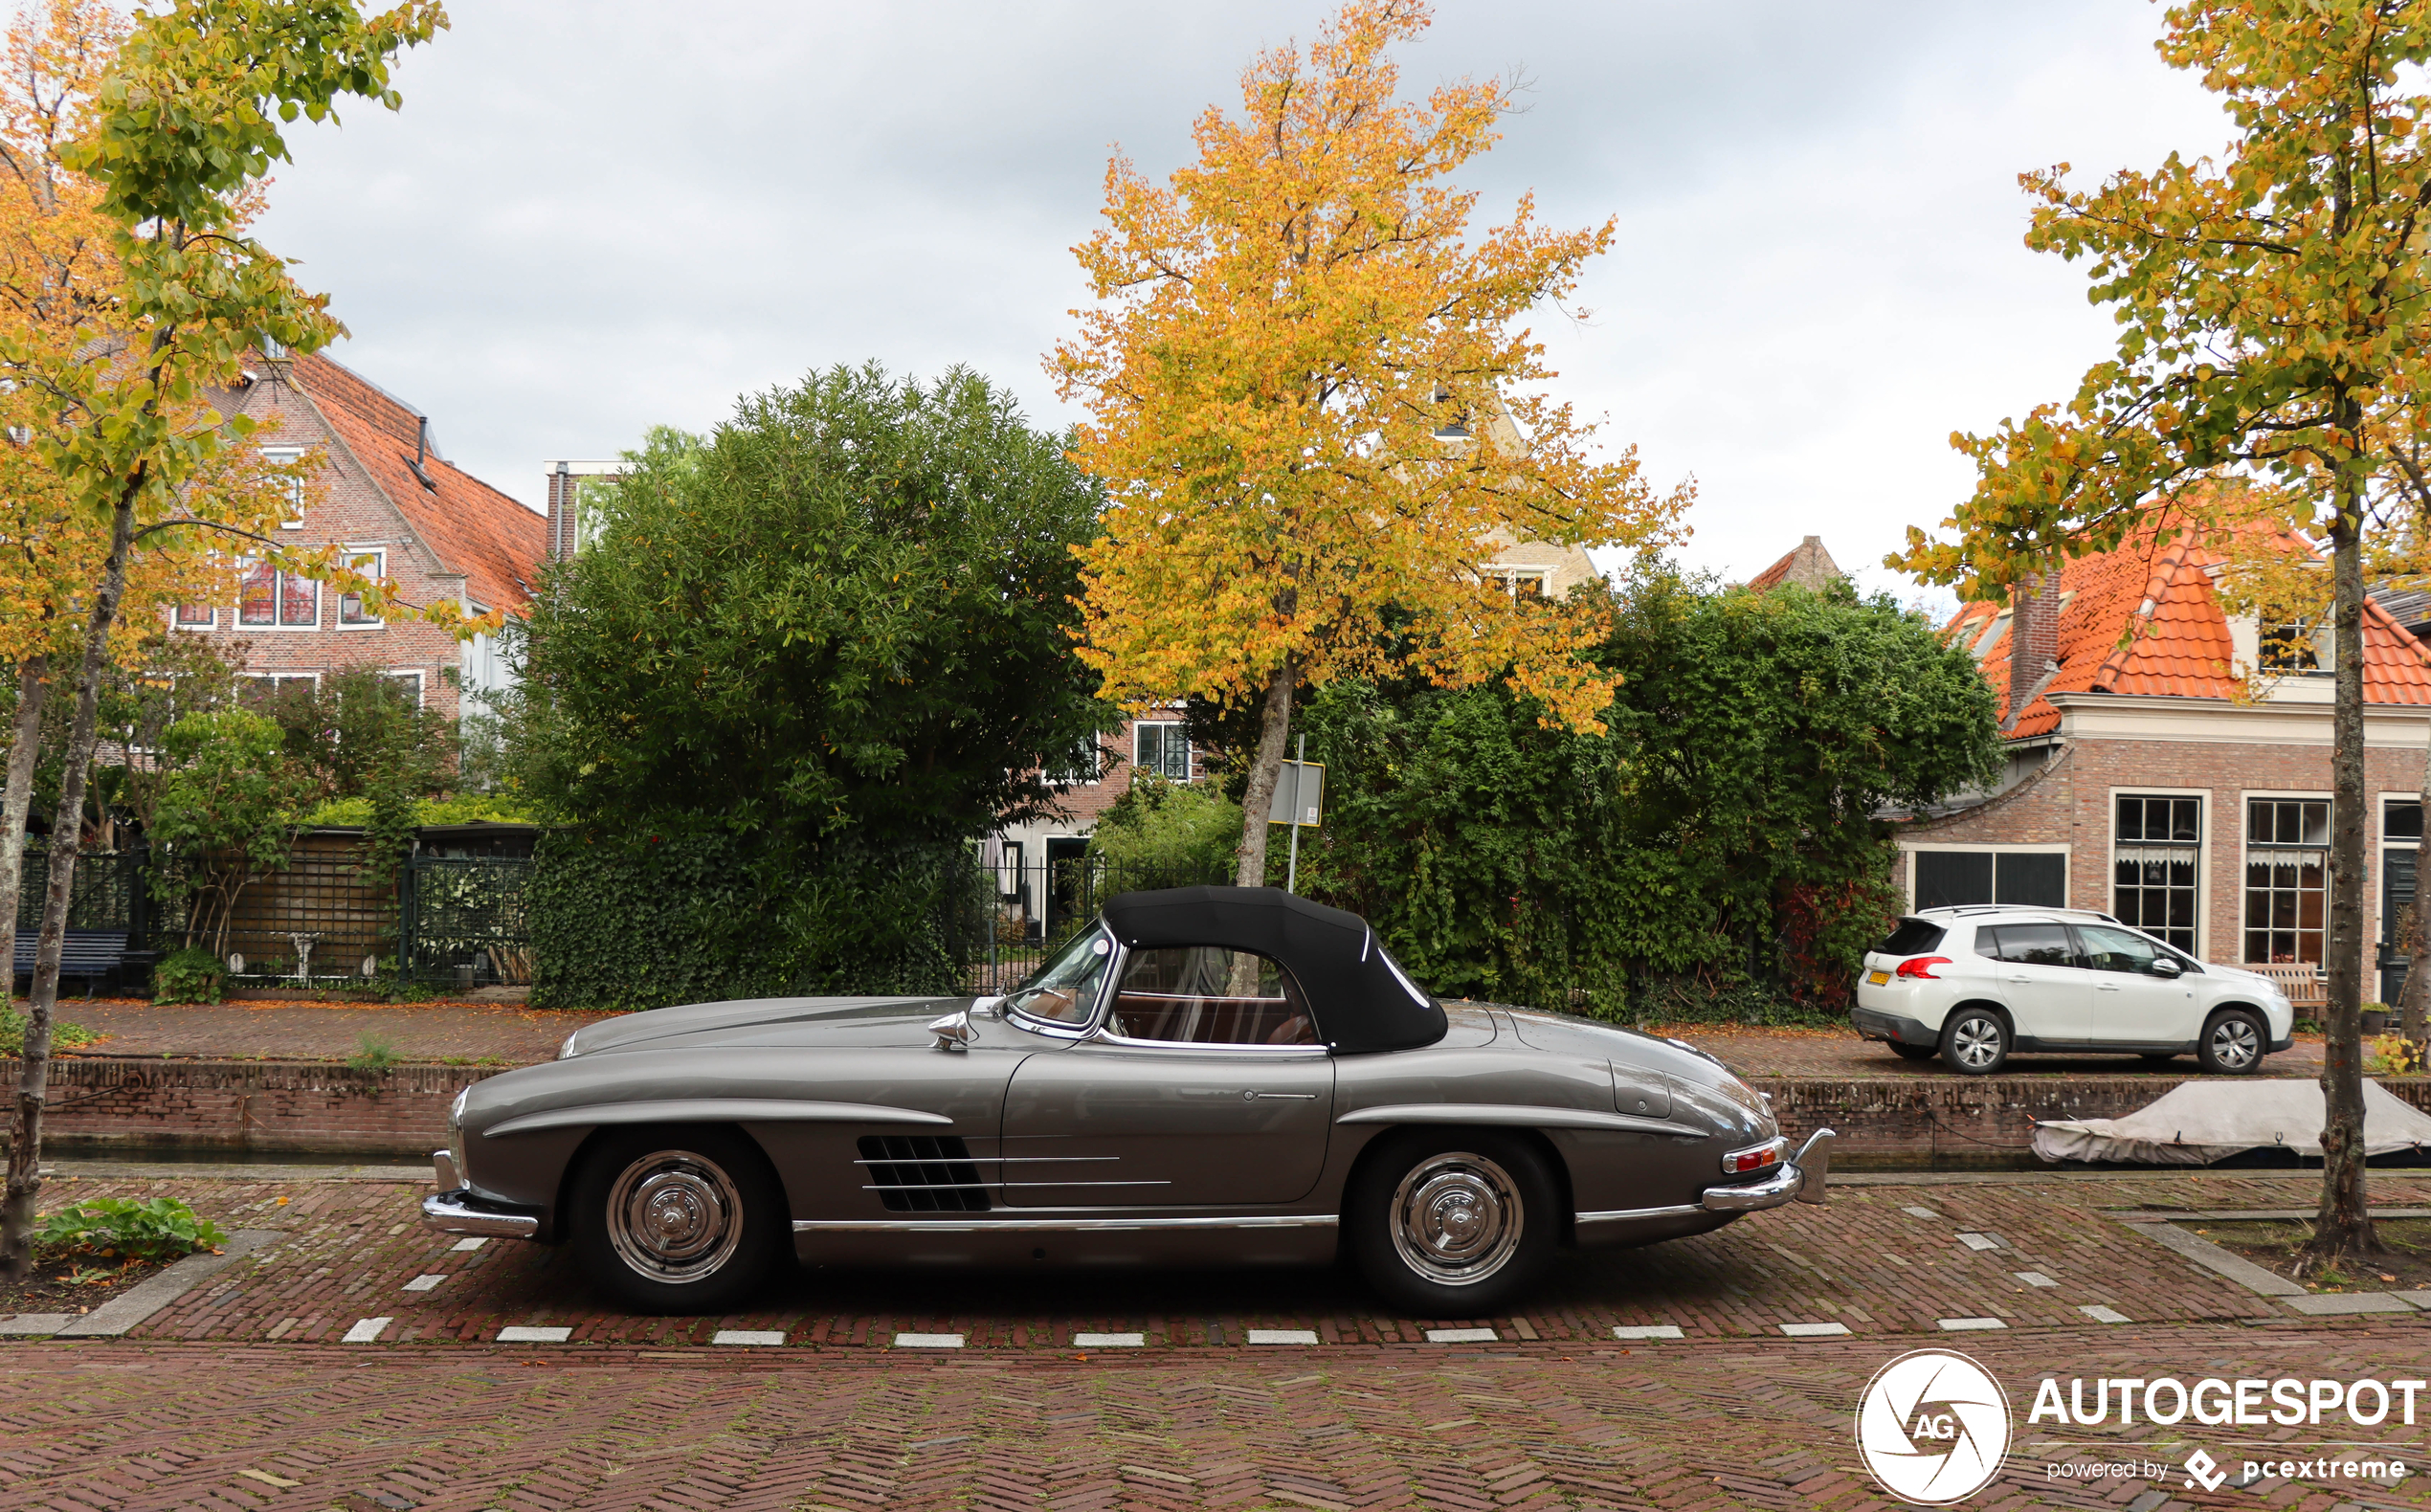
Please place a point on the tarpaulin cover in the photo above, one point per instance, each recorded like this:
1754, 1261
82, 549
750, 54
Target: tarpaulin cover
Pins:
2202, 1121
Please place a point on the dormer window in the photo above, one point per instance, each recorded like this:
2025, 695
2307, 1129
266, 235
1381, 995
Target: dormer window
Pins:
2287, 646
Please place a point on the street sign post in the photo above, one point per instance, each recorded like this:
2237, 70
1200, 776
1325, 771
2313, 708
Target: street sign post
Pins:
1300, 801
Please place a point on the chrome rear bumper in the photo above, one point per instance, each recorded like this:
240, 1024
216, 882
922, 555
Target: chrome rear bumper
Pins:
1802, 1178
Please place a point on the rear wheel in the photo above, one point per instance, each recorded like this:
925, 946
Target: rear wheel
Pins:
1452, 1223
1975, 1043
2233, 1043
1907, 1052
676, 1220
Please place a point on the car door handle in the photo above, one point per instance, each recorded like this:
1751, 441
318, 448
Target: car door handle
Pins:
2107, 986
2022, 979
1254, 1094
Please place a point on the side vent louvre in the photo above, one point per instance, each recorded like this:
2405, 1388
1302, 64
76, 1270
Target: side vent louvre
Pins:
923, 1173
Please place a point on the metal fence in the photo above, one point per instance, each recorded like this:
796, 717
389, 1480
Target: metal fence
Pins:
468, 922
108, 893
1028, 909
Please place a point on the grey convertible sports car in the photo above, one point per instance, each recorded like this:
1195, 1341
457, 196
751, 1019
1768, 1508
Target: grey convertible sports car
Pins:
1209, 1074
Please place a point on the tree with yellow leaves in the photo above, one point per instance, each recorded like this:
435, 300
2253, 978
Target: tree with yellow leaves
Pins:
2274, 309
1295, 348
181, 130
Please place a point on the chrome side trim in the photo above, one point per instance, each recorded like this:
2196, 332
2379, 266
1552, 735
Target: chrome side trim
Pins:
991, 1159
1503, 1115
450, 1212
1317, 1220
714, 1110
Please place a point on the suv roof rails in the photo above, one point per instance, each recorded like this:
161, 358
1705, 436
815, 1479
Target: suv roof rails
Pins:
1962, 909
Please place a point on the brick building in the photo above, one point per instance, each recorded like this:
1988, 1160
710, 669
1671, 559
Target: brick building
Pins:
2148, 777
403, 512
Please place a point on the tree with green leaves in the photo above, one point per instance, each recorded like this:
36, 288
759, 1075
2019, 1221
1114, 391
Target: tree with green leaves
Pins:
2274, 323
183, 128
1725, 824
842, 619
224, 814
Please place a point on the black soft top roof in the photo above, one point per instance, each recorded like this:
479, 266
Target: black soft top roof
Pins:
1361, 1002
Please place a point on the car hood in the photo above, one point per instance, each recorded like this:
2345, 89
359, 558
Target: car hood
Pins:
876, 1021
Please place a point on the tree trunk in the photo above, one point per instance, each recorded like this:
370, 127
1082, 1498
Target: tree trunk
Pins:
1266, 769
25, 1131
25, 747
2415, 997
2344, 1226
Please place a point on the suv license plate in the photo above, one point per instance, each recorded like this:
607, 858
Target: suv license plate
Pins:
1876, 978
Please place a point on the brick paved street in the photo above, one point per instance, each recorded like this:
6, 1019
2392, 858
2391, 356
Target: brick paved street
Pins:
1755, 1052
1724, 1425
242, 1395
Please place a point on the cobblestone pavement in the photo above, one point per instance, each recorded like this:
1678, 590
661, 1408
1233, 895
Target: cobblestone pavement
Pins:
1868, 1262
465, 1034
514, 1035
245, 1393
1735, 1424
1839, 1053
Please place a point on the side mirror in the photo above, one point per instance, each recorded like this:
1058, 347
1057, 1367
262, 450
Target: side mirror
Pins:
953, 1032
2164, 967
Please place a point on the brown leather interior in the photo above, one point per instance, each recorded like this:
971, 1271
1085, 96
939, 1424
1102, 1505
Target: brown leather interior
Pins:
1193, 1020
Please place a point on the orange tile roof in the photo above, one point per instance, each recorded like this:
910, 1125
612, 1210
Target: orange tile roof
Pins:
2144, 619
489, 536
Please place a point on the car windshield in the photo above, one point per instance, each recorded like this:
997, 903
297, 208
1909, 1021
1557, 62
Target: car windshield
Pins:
1065, 989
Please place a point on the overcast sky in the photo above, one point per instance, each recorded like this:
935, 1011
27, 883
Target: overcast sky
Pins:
591, 218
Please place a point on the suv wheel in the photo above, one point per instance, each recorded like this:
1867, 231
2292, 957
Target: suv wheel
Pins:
1975, 1043
2233, 1043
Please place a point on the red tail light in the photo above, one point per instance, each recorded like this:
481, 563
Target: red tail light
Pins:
1922, 966
1739, 1162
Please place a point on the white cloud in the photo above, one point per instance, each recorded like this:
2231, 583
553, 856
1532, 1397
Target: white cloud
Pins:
590, 219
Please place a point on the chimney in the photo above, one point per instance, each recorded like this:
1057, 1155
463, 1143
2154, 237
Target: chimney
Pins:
2034, 641
560, 511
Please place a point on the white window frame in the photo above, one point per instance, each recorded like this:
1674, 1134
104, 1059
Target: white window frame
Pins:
2209, 824
2245, 847
177, 619
2374, 925
1508, 579
2062, 849
278, 602
281, 455
356, 556
273, 678
421, 681
1189, 754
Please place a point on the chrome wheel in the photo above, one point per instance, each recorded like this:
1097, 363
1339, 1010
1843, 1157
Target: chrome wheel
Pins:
1977, 1041
675, 1217
2235, 1044
1456, 1218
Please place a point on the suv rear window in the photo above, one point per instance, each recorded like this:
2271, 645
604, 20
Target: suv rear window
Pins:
1913, 937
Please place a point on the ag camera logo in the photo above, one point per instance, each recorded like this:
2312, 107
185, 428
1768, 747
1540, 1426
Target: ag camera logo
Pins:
1933, 1426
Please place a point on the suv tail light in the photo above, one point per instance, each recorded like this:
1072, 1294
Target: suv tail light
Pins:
1922, 966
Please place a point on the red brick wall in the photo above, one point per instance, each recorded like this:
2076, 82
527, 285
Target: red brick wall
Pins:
351, 512
249, 1105
2071, 803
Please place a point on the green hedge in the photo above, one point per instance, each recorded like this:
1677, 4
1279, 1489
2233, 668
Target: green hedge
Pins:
645, 921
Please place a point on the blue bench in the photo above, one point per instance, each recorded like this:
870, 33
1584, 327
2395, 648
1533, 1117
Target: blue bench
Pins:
92, 954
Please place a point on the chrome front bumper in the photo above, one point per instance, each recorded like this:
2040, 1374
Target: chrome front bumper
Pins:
1802, 1178
455, 1209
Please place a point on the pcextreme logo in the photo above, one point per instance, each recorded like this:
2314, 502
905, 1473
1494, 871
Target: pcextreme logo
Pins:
1933, 1426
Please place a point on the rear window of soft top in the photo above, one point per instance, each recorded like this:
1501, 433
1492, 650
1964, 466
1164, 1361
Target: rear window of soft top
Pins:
1913, 937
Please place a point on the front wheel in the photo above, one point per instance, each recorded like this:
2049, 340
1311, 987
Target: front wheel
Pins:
676, 1220
1975, 1043
1452, 1223
2233, 1043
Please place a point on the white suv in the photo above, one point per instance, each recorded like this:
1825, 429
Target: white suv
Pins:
1971, 984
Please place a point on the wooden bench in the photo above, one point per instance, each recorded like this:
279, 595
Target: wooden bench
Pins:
92, 954
2300, 980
